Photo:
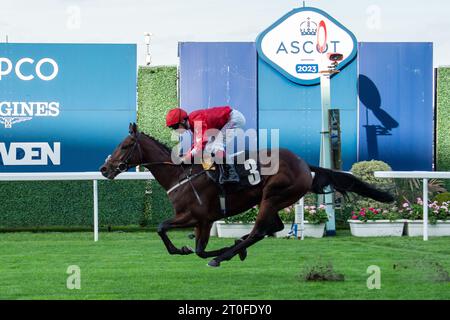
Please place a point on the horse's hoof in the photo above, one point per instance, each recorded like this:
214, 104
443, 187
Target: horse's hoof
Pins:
186, 250
243, 254
213, 263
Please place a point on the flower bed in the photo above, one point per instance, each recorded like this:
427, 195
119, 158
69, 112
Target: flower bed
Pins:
376, 223
377, 228
438, 218
314, 224
414, 228
240, 225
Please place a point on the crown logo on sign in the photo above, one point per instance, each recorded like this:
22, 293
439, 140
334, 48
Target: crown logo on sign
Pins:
308, 28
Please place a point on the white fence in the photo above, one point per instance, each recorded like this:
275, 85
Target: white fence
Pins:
425, 176
76, 176
95, 176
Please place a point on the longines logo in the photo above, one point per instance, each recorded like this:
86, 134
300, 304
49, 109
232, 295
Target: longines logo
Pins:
12, 113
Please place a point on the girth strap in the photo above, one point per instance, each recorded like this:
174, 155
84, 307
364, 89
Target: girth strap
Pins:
186, 180
222, 195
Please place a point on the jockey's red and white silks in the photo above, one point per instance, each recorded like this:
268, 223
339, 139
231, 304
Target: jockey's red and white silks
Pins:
201, 121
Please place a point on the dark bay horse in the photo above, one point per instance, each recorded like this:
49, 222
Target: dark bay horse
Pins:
275, 192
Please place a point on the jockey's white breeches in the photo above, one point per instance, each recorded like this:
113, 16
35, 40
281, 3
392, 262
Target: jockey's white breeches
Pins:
236, 121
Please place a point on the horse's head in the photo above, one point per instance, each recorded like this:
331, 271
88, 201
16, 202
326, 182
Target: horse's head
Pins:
128, 154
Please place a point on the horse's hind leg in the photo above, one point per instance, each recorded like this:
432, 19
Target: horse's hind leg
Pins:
202, 237
180, 221
202, 232
267, 222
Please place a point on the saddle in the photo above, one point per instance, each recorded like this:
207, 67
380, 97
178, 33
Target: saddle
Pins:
249, 175
248, 172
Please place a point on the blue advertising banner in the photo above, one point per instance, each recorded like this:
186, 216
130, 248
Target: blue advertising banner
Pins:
64, 107
396, 104
219, 74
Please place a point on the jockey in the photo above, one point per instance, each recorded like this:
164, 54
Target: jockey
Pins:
224, 119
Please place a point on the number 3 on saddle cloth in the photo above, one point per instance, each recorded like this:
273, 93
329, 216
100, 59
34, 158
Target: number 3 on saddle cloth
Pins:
248, 171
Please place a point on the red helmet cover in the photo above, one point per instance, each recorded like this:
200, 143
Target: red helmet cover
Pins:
175, 116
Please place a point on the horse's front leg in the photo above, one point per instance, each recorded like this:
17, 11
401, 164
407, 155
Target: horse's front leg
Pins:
180, 221
202, 233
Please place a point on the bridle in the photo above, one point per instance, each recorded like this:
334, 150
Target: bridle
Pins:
124, 166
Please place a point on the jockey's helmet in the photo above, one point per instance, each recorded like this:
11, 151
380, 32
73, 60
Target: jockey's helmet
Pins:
175, 116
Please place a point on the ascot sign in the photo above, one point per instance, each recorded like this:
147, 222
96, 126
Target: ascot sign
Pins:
297, 44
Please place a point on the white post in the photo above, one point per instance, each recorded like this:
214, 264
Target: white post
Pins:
300, 217
425, 209
95, 210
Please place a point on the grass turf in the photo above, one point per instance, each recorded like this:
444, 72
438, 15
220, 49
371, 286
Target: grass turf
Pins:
137, 266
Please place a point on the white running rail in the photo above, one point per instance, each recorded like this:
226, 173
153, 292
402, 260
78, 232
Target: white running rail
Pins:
76, 176
425, 176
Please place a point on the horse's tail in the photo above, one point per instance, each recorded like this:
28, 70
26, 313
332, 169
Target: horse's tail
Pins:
344, 183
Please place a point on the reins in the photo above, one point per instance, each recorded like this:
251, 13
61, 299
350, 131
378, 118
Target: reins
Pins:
167, 163
125, 166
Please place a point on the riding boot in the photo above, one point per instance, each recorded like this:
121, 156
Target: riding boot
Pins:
228, 173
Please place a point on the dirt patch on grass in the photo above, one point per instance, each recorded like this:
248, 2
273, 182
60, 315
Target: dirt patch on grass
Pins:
321, 272
433, 270
440, 275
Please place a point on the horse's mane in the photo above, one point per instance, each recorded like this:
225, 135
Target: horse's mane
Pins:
158, 143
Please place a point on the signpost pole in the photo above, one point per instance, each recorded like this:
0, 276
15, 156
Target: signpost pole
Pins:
321, 37
325, 147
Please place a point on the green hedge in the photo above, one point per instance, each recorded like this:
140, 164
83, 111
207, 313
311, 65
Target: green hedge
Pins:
443, 122
37, 204
157, 93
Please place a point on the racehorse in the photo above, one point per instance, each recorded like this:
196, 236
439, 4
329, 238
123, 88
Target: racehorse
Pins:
196, 203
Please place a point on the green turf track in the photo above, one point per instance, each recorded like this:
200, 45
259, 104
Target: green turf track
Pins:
137, 266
